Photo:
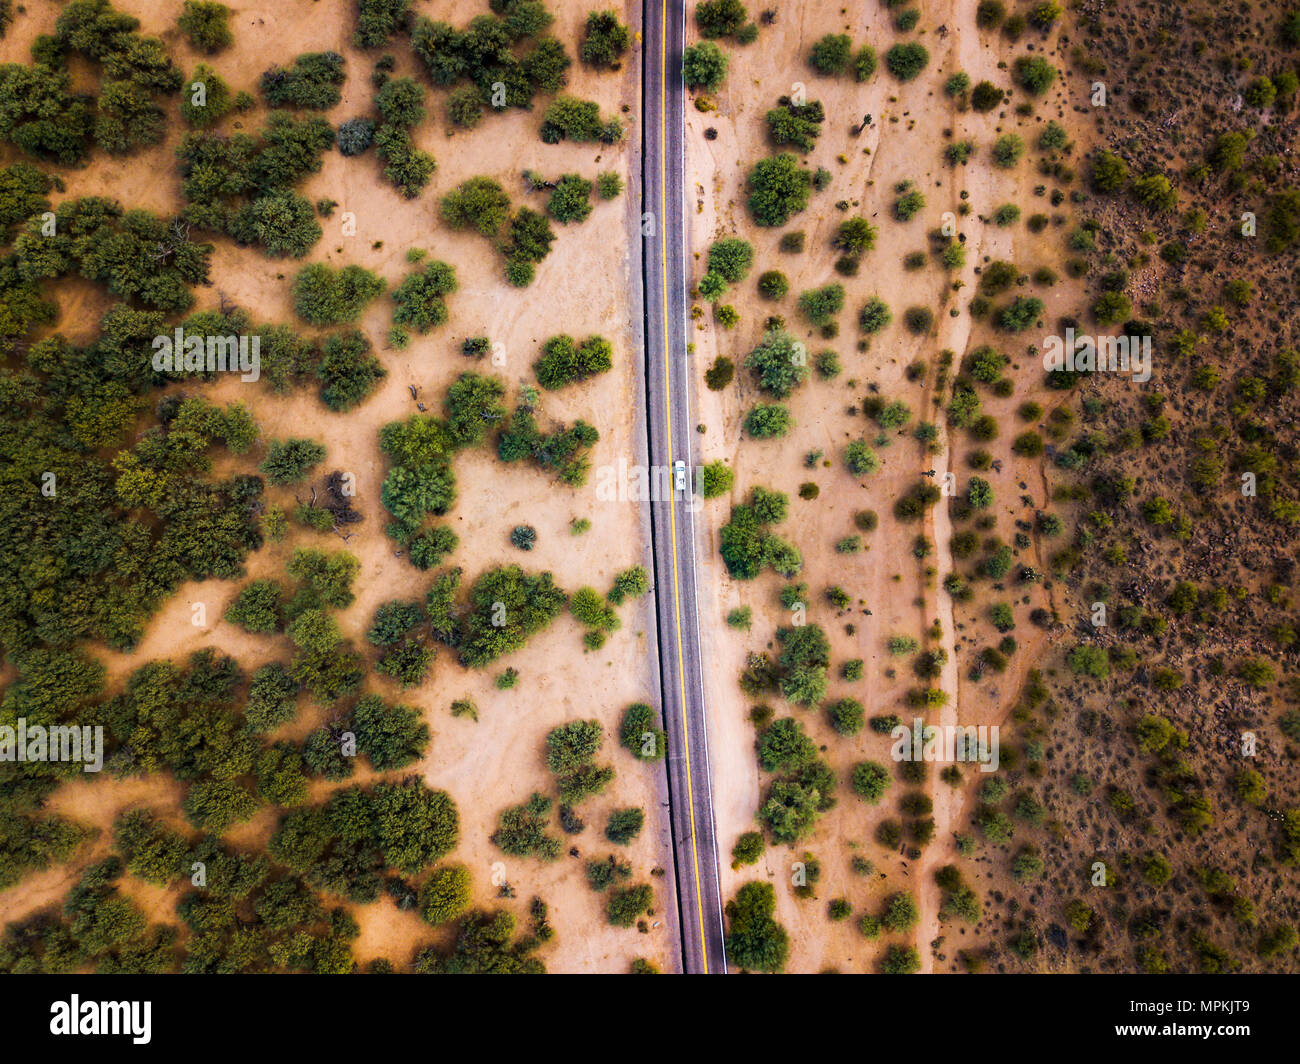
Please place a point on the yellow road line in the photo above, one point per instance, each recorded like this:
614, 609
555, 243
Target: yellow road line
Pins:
668, 412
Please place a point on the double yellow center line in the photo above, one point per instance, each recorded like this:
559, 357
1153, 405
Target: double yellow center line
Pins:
668, 414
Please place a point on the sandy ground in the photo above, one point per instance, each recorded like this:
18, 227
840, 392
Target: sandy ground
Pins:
582, 288
905, 141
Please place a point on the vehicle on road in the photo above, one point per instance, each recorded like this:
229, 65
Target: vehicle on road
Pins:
679, 475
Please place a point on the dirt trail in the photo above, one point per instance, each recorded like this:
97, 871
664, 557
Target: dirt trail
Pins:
990, 701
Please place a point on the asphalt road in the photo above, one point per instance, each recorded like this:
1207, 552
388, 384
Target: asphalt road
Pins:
668, 380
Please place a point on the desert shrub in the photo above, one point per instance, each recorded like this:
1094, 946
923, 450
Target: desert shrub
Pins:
773, 284
918, 320
521, 830
720, 374
1020, 314
831, 54
379, 20
870, 780
288, 461
624, 825
776, 364
847, 716
446, 894
874, 316
608, 185
821, 305
1008, 150
704, 66
731, 258
565, 361
909, 202
604, 41
313, 82
778, 188
479, 203
205, 98
324, 296
860, 459
420, 298
282, 222
716, 478
720, 18
206, 25
568, 118
854, 236
766, 421
1108, 172
1034, 74
355, 136
348, 372
640, 733
755, 941
906, 61
570, 200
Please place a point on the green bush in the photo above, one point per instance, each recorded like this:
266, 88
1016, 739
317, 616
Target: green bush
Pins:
1034, 74
821, 305
282, 222
1108, 172
906, 61
608, 185
778, 188
716, 478
748, 849
755, 941
773, 284
348, 372
289, 461
564, 361
312, 82
870, 780
604, 41
832, 54
257, 608
479, 203
205, 98
420, 298
324, 296
860, 459
908, 203
570, 200
379, 20
874, 316
731, 258
624, 825
568, 118
720, 18
627, 904
704, 66
1008, 150
640, 733
206, 25
355, 136
846, 716
446, 894
766, 421
778, 364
